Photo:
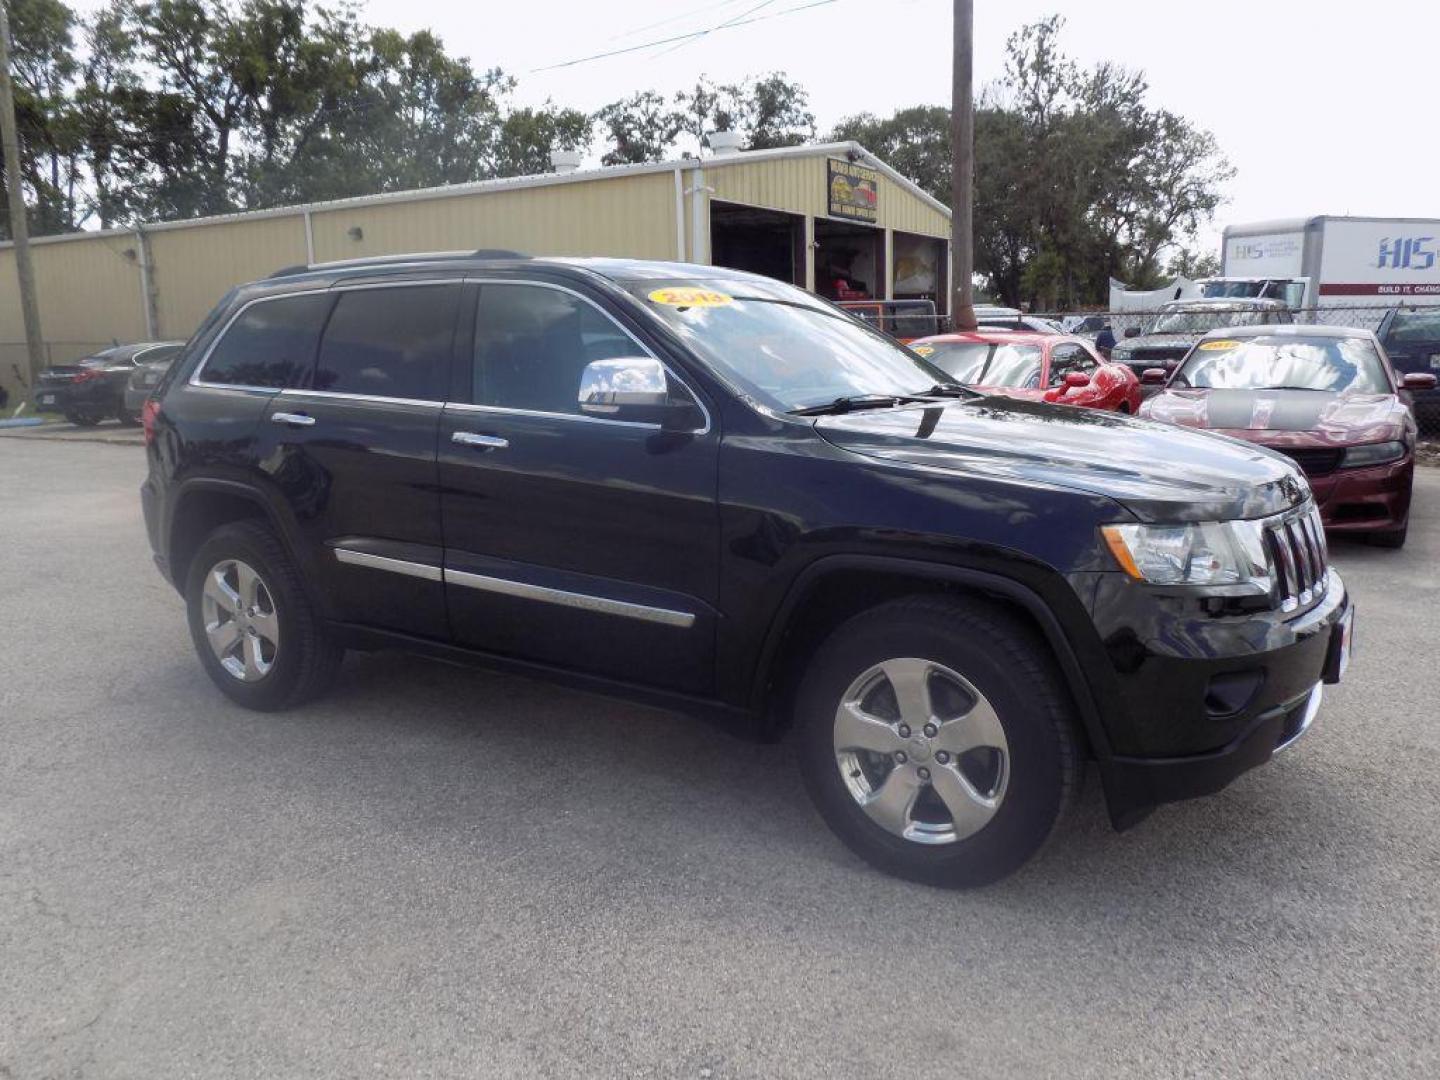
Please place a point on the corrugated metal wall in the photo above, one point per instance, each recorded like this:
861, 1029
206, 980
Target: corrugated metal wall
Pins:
196, 265
629, 216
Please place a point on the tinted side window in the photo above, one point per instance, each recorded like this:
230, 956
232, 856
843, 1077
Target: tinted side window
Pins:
532, 344
392, 342
269, 343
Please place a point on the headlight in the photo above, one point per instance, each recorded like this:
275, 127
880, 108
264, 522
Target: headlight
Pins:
1377, 453
1208, 553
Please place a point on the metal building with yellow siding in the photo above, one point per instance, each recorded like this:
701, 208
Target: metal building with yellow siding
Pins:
829, 217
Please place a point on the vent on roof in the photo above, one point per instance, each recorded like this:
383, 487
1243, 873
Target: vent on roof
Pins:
565, 161
724, 143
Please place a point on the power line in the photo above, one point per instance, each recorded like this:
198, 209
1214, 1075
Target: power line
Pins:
736, 21
682, 37
675, 18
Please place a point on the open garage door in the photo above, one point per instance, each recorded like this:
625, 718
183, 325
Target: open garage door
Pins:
762, 241
849, 260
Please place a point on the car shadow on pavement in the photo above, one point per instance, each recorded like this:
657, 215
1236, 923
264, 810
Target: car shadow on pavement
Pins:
676, 802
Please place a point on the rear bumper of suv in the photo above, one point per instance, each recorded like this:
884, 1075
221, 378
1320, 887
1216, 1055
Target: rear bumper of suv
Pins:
1244, 703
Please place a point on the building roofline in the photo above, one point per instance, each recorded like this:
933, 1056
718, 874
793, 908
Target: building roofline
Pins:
514, 183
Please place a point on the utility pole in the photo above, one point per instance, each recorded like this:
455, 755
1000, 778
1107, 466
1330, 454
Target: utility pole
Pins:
19, 226
962, 176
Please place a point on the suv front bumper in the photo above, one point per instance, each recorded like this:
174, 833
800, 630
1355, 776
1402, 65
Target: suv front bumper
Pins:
1178, 702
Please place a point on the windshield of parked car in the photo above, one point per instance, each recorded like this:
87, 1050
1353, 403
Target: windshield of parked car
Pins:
1202, 321
781, 345
1411, 326
1343, 364
980, 363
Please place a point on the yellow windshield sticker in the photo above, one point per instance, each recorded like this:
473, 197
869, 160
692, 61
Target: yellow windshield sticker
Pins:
1218, 346
923, 350
690, 298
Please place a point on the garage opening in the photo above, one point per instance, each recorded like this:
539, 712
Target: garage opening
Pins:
919, 272
762, 241
849, 260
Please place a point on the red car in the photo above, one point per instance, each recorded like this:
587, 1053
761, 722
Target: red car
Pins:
1325, 396
1042, 367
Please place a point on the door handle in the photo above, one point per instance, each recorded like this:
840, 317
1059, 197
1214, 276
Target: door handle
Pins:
484, 442
294, 419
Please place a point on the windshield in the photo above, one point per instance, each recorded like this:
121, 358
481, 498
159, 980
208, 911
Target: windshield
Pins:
1299, 363
1411, 326
1192, 321
980, 363
782, 345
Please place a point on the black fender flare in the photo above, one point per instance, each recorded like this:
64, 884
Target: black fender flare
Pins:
1011, 589
283, 524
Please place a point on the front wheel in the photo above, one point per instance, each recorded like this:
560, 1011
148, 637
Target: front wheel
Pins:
254, 628
938, 741
1393, 539
82, 419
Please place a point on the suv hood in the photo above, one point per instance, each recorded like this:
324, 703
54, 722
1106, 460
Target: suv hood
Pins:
1157, 472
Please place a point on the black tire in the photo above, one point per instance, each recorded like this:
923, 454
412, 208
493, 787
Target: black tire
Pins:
82, 419
127, 418
1394, 539
1007, 662
305, 661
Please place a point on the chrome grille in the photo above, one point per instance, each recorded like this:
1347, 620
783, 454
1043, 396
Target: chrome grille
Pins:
1295, 543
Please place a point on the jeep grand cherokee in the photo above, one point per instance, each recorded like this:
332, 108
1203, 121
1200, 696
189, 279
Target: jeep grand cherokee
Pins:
712, 491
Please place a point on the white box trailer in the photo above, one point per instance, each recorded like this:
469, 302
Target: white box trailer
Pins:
1333, 262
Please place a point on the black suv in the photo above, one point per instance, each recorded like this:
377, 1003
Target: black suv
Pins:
712, 491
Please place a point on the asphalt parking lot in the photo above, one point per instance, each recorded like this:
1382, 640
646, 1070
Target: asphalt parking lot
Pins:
437, 872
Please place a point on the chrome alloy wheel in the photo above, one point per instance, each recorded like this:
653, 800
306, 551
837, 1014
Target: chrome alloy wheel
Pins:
921, 751
241, 623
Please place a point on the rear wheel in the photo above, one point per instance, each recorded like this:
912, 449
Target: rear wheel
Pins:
82, 419
256, 633
937, 740
126, 417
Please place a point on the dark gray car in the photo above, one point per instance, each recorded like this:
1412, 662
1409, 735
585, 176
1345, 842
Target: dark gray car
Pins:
150, 367
1168, 334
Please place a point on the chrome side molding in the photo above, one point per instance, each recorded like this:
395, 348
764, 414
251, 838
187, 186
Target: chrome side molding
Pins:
395, 566
580, 601
506, 587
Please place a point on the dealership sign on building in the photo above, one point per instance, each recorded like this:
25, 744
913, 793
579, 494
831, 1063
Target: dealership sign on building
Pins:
854, 191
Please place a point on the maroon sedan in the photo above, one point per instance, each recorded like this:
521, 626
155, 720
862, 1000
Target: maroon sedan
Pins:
1326, 396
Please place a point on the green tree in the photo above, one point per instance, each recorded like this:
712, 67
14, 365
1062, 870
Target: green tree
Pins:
642, 127
916, 141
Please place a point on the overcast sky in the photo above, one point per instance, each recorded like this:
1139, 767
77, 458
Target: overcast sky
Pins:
1322, 108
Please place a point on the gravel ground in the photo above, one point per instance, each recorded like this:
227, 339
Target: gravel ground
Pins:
437, 872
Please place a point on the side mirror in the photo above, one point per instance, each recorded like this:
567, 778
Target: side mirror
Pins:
634, 389
1132, 331
1417, 380
1154, 376
1076, 379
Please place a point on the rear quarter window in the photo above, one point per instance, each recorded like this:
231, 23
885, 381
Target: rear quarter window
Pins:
269, 343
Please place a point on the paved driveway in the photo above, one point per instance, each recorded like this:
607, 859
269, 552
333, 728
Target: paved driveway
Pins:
437, 872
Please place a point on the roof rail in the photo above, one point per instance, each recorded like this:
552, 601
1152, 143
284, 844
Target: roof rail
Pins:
391, 260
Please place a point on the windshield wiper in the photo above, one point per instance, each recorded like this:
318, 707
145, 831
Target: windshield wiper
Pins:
949, 390
854, 402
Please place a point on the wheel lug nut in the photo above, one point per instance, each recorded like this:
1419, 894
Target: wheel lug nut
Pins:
904, 731
924, 774
930, 730
900, 757
942, 757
